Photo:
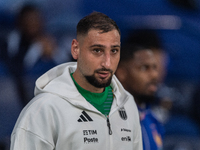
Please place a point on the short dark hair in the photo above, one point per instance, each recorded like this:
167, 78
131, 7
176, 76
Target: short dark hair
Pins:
129, 49
139, 39
96, 20
146, 37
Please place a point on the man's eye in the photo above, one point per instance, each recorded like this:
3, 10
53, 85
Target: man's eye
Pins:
143, 68
97, 50
115, 50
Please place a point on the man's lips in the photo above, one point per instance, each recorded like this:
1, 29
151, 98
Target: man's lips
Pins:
103, 74
153, 87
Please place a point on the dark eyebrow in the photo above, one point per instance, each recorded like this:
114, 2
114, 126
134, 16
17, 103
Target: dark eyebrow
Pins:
114, 46
99, 45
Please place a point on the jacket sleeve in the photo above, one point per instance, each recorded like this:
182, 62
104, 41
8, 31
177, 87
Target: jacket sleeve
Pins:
139, 144
137, 129
26, 140
35, 127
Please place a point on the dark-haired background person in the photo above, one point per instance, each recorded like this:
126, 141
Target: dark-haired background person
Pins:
138, 73
27, 45
165, 95
81, 105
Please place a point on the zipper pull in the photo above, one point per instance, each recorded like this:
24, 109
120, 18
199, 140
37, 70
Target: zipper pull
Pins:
109, 128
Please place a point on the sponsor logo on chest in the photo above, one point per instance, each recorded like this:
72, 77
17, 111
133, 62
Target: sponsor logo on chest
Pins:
127, 138
90, 140
89, 132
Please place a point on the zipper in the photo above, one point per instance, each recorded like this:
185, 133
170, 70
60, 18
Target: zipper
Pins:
109, 128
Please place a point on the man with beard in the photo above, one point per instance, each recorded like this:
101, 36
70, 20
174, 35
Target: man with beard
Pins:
138, 73
81, 105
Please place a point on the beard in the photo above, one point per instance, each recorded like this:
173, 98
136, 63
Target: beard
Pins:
95, 82
147, 99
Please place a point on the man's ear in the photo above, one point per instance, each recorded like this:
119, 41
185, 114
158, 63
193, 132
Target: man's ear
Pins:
75, 49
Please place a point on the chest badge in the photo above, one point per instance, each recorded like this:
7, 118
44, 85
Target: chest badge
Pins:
122, 113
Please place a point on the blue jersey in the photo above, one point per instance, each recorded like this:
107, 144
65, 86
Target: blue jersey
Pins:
152, 130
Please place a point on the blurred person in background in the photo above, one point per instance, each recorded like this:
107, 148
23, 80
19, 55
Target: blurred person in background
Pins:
169, 106
27, 45
138, 73
165, 105
165, 95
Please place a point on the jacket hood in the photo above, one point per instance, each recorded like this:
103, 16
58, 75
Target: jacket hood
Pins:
58, 81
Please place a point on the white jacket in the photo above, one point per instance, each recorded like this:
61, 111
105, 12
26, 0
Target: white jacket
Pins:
59, 118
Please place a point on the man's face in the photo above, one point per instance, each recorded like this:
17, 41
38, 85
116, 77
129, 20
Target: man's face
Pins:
98, 57
142, 74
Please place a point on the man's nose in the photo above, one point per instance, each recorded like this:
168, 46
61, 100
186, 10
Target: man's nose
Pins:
106, 62
154, 74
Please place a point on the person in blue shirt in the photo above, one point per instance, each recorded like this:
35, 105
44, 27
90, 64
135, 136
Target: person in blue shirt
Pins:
138, 73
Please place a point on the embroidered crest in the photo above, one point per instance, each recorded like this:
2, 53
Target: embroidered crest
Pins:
122, 113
